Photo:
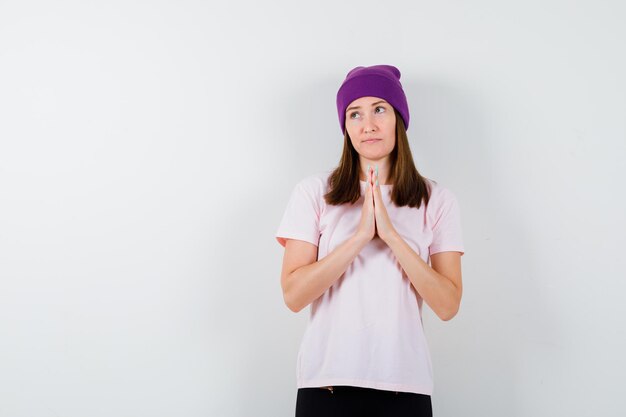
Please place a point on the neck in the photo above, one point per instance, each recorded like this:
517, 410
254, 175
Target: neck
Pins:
382, 172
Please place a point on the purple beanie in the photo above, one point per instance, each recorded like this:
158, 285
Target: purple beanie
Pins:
377, 81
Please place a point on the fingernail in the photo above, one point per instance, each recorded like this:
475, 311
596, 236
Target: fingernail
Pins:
376, 182
376, 170
368, 167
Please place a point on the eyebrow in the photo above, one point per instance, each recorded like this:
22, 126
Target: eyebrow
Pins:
358, 107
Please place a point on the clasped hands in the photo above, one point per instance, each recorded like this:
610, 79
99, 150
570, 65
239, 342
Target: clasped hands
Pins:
374, 218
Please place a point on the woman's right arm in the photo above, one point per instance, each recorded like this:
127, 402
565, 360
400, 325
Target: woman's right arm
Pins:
303, 279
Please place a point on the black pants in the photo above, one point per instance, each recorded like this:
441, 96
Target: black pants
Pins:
348, 401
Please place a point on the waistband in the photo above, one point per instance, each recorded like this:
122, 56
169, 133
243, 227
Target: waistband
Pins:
332, 389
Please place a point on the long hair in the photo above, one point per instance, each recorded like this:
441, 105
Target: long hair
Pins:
409, 187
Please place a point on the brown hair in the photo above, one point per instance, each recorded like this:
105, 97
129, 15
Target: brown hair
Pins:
409, 187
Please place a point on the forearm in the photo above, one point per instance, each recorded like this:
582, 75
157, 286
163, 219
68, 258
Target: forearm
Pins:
307, 283
438, 291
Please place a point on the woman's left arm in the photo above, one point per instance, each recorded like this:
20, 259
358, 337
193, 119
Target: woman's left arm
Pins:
440, 286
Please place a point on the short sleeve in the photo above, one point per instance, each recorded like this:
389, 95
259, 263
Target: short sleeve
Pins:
301, 217
447, 233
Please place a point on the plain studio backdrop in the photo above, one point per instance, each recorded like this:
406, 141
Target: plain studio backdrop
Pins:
148, 150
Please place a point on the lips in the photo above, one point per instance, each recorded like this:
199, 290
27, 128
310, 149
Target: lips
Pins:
372, 140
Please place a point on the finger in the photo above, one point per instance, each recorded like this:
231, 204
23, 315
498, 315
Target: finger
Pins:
371, 185
369, 193
376, 177
375, 185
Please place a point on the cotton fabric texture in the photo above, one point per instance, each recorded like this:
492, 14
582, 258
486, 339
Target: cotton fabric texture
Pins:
366, 330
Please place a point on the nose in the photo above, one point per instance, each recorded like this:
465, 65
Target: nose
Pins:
368, 124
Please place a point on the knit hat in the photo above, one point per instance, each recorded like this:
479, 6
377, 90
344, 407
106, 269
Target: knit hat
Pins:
377, 81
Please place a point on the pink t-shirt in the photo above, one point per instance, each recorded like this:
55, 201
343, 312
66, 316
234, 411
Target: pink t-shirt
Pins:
366, 329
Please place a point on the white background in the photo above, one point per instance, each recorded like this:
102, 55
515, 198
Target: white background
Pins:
148, 149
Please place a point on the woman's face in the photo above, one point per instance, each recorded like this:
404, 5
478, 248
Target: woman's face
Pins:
370, 118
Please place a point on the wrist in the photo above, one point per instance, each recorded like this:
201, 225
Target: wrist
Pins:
359, 240
393, 237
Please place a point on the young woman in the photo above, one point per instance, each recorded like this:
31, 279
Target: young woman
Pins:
365, 245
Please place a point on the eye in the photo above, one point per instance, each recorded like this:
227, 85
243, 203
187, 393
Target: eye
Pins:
376, 108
